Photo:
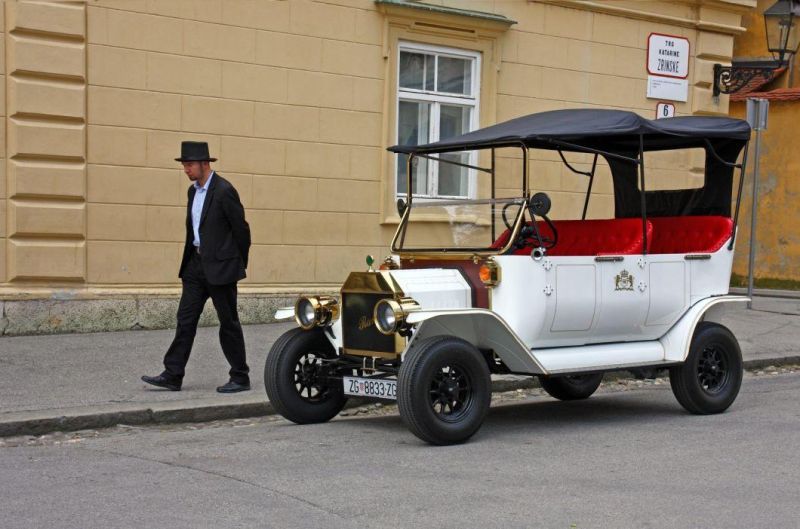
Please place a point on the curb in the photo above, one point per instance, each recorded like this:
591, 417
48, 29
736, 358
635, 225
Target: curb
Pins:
106, 416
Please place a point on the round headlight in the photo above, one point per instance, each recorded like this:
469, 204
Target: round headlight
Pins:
304, 313
387, 313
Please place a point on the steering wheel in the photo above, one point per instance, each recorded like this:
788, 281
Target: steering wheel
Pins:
538, 205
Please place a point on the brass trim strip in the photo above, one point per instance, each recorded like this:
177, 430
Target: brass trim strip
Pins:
361, 352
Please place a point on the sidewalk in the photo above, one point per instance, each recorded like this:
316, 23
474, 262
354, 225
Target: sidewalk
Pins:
76, 381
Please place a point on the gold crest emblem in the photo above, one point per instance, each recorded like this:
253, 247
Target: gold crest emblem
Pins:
623, 281
364, 323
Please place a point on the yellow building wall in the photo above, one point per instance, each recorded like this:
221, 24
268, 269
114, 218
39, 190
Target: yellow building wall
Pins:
777, 243
777, 238
295, 99
45, 143
3, 185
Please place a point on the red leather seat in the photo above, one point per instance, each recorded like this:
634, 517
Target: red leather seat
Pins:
591, 237
690, 234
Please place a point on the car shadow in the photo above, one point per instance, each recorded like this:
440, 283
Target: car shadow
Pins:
529, 416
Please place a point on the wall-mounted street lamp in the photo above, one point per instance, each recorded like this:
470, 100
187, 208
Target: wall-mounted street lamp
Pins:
783, 37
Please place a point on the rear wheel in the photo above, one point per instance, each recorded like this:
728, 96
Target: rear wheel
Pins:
571, 387
710, 378
296, 377
443, 390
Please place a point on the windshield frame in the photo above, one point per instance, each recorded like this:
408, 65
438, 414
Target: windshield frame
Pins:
399, 236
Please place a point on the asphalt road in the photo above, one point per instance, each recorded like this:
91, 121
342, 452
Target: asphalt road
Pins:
624, 458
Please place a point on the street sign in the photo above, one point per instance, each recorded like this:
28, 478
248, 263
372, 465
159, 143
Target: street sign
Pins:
757, 112
668, 67
667, 88
668, 56
665, 110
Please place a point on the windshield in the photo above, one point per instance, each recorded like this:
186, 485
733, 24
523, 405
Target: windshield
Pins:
453, 225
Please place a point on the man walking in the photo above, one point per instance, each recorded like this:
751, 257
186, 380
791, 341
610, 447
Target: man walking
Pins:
214, 259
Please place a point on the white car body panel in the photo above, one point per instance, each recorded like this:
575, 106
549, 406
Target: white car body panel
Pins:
600, 357
571, 314
676, 342
284, 313
565, 301
483, 329
435, 288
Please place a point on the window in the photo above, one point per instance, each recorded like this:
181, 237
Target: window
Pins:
437, 98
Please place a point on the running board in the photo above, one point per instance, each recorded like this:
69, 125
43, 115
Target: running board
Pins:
556, 360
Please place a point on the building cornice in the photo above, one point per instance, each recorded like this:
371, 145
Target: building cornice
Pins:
736, 6
445, 10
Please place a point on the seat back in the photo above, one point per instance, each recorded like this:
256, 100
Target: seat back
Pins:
598, 237
590, 237
690, 234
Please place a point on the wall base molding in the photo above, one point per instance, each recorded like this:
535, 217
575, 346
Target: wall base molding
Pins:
132, 312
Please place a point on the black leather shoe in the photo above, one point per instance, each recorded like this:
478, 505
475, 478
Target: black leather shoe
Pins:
162, 382
233, 387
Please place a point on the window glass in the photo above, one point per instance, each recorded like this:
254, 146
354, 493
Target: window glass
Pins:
453, 179
416, 71
436, 100
454, 76
413, 127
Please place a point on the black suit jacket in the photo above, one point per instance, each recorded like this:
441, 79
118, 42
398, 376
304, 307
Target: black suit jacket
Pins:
224, 234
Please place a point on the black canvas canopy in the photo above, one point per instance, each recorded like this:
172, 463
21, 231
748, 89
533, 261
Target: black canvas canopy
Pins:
619, 136
613, 131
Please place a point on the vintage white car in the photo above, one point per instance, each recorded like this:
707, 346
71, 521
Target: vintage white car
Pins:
492, 285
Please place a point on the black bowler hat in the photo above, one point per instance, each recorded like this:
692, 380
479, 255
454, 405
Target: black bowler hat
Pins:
194, 151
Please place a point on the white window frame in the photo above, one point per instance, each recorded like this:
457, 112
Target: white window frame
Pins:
436, 99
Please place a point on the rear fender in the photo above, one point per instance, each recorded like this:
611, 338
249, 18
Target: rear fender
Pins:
482, 328
677, 340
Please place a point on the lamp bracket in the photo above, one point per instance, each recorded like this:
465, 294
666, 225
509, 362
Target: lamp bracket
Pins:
731, 79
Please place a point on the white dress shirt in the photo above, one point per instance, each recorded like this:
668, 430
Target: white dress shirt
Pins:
197, 207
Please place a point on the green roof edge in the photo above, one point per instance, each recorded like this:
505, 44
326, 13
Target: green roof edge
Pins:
449, 10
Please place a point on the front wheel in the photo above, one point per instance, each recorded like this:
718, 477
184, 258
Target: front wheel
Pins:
571, 387
297, 380
443, 390
710, 378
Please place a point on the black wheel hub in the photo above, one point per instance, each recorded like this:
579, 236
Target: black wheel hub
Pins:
450, 393
712, 370
310, 378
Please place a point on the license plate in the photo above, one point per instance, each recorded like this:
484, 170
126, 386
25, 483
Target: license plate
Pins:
381, 388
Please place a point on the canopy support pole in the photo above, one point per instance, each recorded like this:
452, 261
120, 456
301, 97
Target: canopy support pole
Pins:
717, 157
580, 148
584, 173
742, 169
643, 192
525, 187
493, 194
409, 195
451, 162
589, 189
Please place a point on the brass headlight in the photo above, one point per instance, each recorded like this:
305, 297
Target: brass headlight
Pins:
390, 315
319, 311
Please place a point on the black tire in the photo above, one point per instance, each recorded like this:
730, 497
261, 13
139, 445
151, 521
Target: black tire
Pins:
296, 382
443, 390
571, 387
709, 380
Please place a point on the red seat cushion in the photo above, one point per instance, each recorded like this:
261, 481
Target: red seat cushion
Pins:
590, 237
690, 234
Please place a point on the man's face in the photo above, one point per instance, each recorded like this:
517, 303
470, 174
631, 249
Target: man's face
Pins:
194, 170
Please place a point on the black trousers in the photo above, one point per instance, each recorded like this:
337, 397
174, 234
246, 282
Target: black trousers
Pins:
196, 290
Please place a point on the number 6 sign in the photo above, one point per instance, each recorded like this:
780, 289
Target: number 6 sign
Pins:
665, 110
